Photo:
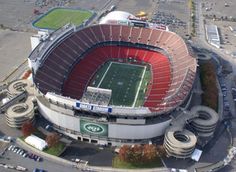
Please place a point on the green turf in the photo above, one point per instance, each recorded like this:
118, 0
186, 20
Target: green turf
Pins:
143, 88
97, 78
55, 150
60, 17
117, 163
123, 80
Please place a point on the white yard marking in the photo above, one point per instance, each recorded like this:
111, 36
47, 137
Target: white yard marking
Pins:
136, 96
104, 75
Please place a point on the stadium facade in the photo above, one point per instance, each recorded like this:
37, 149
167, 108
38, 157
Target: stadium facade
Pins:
64, 64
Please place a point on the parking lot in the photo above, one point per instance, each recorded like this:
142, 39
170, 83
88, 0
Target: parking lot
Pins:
14, 48
14, 159
174, 14
222, 15
95, 155
135, 6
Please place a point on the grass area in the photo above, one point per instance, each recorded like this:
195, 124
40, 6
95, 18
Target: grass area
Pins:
208, 82
22, 138
192, 7
124, 81
117, 163
60, 17
55, 150
143, 88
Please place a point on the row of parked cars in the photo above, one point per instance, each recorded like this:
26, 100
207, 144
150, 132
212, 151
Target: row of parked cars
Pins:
224, 92
8, 166
24, 153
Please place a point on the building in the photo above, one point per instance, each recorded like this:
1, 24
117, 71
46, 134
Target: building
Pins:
64, 64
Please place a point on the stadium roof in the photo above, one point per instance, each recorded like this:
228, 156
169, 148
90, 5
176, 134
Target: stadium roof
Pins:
116, 16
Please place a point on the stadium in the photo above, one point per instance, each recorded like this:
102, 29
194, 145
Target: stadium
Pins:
114, 82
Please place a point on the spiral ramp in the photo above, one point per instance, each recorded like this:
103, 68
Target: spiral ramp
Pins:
180, 142
20, 108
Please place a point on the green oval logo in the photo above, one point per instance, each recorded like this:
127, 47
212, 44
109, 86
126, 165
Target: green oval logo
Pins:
93, 128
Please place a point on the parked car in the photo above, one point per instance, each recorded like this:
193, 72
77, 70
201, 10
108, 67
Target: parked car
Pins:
25, 155
20, 168
39, 170
39, 159
224, 89
15, 149
31, 155
10, 147
35, 157
49, 128
19, 150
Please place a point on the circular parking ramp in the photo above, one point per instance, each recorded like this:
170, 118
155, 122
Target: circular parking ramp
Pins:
17, 114
206, 121
18, 86
179, 143
203, 56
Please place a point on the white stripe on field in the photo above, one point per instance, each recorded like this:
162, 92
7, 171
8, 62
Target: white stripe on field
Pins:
136, 96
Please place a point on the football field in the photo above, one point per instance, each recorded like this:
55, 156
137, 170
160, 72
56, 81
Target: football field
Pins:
59, 17
127, 82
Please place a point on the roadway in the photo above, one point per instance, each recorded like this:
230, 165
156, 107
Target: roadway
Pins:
200, 41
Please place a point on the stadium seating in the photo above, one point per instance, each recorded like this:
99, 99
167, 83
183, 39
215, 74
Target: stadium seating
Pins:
125, 33
71, 65
134, 36
100, 55
115, 32
144, 36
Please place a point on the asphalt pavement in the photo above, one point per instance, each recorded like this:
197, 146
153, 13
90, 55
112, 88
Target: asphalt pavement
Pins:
15, 159
95, 155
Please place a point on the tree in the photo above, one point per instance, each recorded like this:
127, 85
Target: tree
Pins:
161, 151
27, 128
208, 82
149, 152
139, 153
27, 74
136, 154
52, 139
123, 152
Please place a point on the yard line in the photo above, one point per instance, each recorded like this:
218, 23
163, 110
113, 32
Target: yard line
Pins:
104, 75
136, 96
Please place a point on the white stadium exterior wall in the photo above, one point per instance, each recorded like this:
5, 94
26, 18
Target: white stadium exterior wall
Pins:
62, 120
62, 110
61, 99
119, 131
115, 131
